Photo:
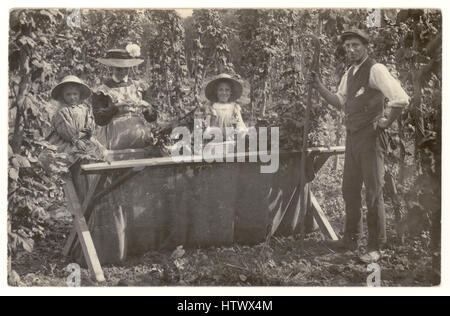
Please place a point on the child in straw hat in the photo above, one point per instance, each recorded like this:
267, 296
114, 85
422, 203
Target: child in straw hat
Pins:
73, 124
223, 112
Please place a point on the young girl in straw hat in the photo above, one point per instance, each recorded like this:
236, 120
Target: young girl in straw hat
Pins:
223, 111
73, 124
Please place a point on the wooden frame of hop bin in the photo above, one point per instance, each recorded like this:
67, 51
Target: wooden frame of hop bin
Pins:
316, 156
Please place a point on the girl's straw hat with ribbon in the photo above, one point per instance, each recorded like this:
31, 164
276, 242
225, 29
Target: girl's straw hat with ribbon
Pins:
123, 58
57, 91
211, 88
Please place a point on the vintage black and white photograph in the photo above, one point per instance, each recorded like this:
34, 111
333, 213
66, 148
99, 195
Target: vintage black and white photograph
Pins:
224, 147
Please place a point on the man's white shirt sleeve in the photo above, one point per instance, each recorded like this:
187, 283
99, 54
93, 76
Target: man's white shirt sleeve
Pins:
342, 90
382, 80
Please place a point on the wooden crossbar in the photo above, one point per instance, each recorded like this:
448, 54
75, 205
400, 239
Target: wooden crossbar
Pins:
327, 150
170, 161
163, 162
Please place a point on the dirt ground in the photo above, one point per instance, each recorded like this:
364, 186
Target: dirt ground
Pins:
280, 262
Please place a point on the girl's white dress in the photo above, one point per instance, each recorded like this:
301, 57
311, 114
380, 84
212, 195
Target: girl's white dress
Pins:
225, 115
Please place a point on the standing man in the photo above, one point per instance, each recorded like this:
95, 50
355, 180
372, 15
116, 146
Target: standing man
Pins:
362, 93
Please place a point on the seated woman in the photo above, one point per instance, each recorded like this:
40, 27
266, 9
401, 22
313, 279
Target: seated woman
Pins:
118, 105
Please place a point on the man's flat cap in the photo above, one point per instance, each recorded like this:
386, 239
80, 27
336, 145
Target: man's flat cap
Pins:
356, 33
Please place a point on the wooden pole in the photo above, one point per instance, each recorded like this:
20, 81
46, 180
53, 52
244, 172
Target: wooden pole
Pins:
321, 219
87, 203
87, 244
303, 179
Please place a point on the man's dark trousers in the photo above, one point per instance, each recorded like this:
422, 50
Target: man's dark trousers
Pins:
364, 163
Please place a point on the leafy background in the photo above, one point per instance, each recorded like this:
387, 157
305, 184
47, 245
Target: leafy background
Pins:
269, 50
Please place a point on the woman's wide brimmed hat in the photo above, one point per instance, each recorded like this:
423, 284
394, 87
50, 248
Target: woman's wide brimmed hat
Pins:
57, 91
122, 58
211, 88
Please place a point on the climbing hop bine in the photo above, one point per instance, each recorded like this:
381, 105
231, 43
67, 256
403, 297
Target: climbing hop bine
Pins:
314, 66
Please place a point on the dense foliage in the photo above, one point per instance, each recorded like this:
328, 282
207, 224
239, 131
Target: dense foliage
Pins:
270, 50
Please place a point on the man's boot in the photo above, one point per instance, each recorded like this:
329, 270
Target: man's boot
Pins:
372, 256
342, 245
